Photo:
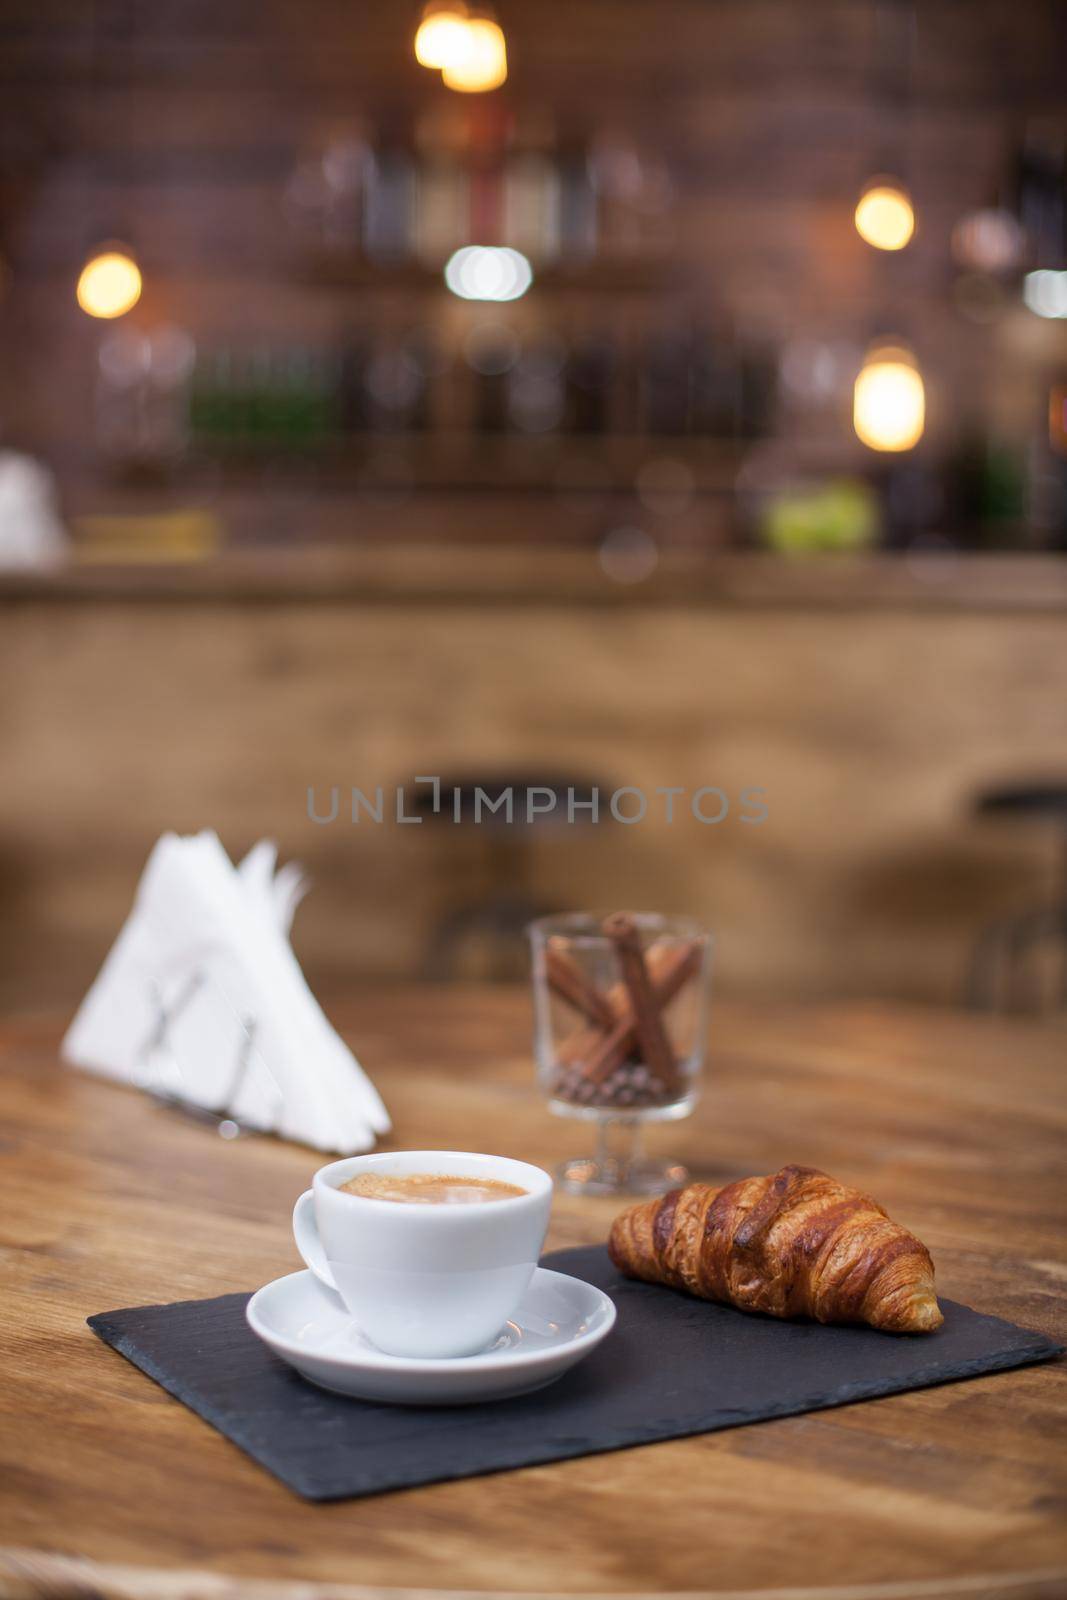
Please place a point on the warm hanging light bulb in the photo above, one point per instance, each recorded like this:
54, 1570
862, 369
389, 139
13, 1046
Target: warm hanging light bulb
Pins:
110, 284
884, 215
483, 64
488, 272
889, 402
1045, 293
442, 39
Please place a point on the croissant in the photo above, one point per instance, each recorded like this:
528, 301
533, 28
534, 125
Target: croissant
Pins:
795, 1244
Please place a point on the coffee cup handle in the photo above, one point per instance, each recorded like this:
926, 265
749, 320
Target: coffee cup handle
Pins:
306, 1234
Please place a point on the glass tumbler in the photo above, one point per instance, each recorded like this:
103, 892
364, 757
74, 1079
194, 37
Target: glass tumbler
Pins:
620, 1032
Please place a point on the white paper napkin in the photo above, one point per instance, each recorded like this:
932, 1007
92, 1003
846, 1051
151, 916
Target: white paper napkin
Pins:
201, 997
31, 534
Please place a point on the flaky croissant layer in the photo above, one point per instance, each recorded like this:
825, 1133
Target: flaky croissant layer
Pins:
794, 1244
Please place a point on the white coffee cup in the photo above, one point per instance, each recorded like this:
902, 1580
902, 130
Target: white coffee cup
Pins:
425, 1280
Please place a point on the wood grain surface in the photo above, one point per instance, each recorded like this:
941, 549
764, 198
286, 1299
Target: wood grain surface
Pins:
107, 1486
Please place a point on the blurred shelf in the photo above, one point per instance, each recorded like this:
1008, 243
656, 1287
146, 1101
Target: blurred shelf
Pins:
452, 459
599, 274
528, 575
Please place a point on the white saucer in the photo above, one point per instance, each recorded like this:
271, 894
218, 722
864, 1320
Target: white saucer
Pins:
558, 1321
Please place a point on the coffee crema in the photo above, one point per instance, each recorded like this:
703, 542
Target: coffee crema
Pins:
430, 1188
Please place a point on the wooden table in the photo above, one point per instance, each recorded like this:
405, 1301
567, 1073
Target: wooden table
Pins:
108, 1486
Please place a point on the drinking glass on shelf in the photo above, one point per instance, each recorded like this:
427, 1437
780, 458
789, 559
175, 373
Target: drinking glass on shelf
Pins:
620, 1020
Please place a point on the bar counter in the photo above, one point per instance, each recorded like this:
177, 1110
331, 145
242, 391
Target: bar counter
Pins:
528, 574
869, 699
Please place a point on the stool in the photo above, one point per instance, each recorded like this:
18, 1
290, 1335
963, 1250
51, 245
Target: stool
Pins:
998, 977
495, 920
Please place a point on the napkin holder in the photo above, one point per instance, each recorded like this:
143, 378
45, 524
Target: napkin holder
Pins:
202, 1003
160, 1045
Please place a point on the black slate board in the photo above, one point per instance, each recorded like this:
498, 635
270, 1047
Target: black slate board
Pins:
671, 1366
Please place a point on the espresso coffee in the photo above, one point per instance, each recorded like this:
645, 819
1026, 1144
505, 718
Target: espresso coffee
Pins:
430, 1188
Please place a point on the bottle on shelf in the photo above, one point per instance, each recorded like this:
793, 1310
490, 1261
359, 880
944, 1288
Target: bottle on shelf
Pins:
757, 390
485, 224
344, 172
536, 390
578, 216
532, 205
352, 410
388, 212
212, 415
395, 385
669, 381
1046, 473
663, 379
590, 375
1042, 197
715, 397
442, 207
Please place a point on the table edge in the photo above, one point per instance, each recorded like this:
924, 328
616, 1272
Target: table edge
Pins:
26, 1574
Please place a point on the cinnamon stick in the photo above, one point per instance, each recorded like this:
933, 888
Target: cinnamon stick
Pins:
583, 1041
600, 1053
622, 930
568, 980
